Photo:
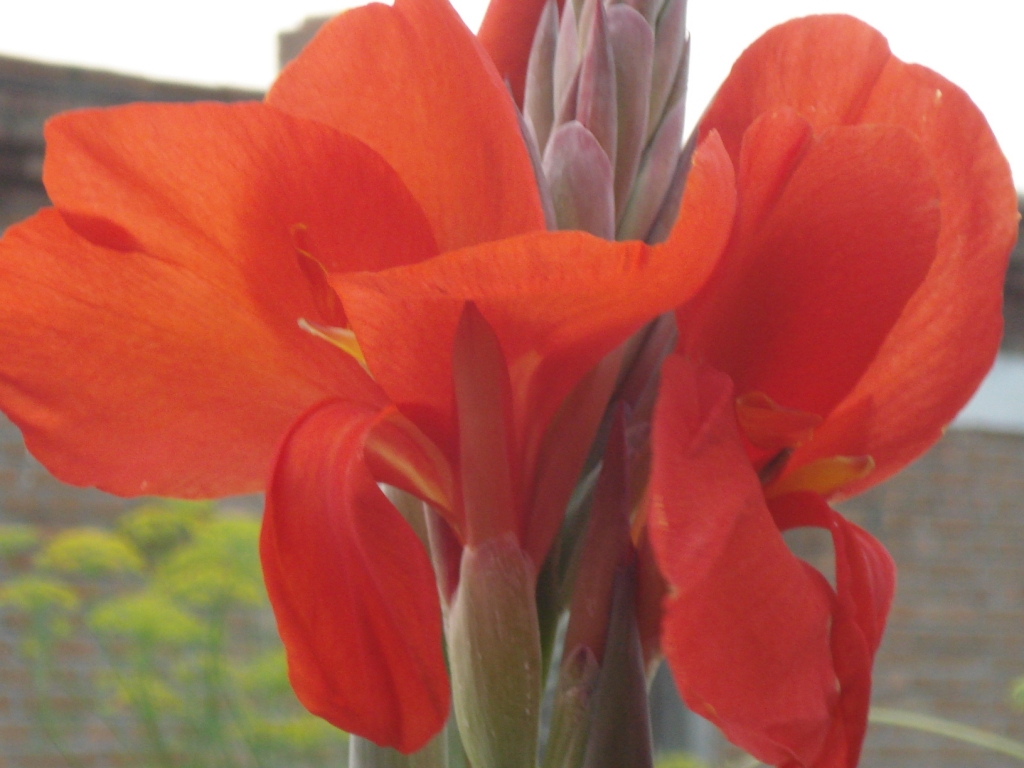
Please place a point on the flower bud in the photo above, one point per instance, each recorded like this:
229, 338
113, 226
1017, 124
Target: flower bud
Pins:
494, 651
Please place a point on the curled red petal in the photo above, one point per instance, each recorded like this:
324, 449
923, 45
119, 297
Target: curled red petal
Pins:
835, 70
351, 586
746, 623
413, 83
865, 584
834, 234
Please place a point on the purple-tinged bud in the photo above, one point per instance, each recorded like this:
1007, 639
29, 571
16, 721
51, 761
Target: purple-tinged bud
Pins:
670, 43
654, 177
570, 712
595, 99
580, 177
566, 66
620, 728
539, 96
632, 42
649, 9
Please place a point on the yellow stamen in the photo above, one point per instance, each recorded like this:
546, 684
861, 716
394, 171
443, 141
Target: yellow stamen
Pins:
824, 476
343, 338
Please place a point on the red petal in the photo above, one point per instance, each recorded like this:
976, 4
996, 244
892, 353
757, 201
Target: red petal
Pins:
746, 627
352, 586
865, 583
413, 83
835, 70
558, 302
141, 374
507, 34
231, 183
834, 235
824, 67
948, 335
165, 357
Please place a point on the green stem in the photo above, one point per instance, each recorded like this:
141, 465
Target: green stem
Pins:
901, 718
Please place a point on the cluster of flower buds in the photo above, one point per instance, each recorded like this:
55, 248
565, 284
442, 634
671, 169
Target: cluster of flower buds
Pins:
604, 103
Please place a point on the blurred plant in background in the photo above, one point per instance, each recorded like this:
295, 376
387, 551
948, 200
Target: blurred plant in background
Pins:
173, 599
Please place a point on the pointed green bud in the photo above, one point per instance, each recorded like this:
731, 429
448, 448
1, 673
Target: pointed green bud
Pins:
669, 48
494, 644
595, 99
580, 176
654, 178
620, 728
539, 96
363, 753
632, 43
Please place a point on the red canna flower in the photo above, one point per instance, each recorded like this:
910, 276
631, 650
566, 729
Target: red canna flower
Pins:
857, 307
343, 286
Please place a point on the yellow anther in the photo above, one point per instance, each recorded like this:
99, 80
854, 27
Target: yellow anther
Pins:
343, 338
824, 476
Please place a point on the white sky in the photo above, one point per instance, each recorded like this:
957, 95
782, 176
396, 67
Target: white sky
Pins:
976, 43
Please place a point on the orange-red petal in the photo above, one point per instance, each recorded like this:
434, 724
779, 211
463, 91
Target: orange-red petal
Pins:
746, 623
413, 83
865, 584
558, 303
151, 325
243, 183
835, 70
148, 375
351, 586
834, 234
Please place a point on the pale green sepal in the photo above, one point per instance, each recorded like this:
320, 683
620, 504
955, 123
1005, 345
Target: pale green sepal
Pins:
528, 133
666, 218
669, 51
654, 178
567, 741
566, 66
632, 43
494, 654
539, 95
363, 753
596, 106
580, 178
620, 727
411, 508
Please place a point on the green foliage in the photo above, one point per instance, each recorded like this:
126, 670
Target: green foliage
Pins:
146, 618
159, 527
17, 540
218, 568
196, 675
679, 760
89, 552
1017, 692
